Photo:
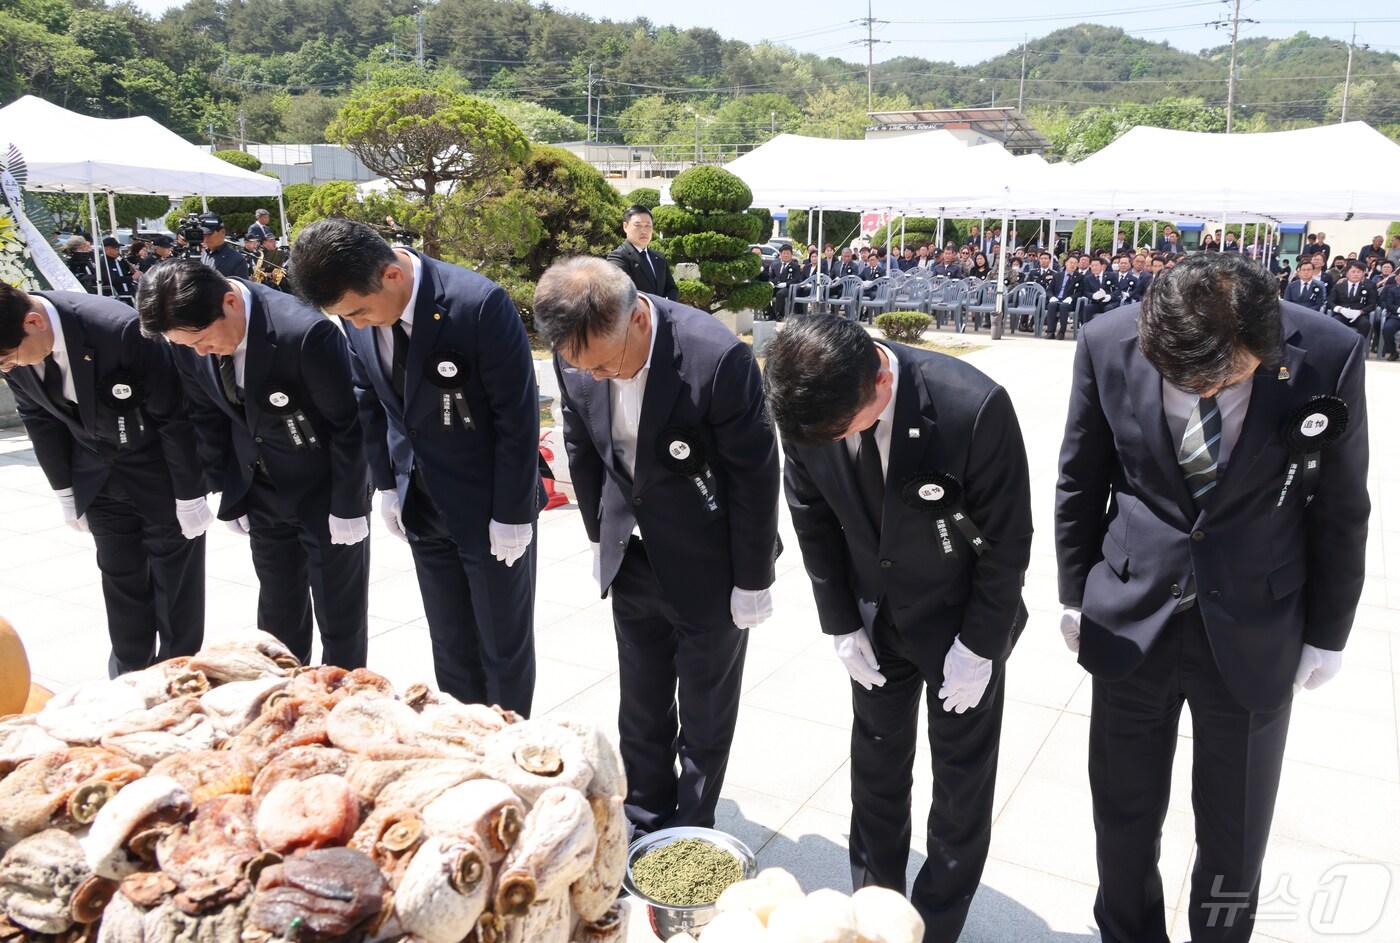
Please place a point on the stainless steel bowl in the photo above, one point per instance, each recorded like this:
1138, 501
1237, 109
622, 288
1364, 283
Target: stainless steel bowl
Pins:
666, 920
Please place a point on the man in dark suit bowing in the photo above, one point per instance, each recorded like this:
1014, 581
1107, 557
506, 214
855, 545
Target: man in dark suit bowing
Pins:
1206, 424
447, 394
646, 267
676, 472
268, 379
906, 477
103, 406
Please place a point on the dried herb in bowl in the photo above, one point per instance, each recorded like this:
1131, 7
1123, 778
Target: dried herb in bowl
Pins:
686, 873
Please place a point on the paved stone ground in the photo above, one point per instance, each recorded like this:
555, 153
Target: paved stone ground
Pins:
1336, 836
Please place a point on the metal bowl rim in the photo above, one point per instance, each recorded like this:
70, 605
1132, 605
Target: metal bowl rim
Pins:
748, 864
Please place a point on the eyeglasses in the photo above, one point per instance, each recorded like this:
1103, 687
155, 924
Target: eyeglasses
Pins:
598, 373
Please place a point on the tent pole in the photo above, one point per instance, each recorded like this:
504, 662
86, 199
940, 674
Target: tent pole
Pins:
821, 223
901, 232
1268, 245
282, 212
112, 213
1000, 324
1256, 240
939, 237
889, 238
1113, 246
1154, 235
92, 217
1224, 228
1050, 242
1089, 235
1136, 223
204, 202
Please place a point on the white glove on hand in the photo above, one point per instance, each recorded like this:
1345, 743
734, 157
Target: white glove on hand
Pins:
965, 678
509, 541
347, 530
194, 516
240, 526
597, 564
70, 510
1069, 628
858, 655
391, 512
1316, 666
750, 607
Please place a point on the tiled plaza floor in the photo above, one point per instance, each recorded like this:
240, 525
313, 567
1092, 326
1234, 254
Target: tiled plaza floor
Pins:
1334, 860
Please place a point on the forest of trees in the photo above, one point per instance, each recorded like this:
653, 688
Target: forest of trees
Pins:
271, 71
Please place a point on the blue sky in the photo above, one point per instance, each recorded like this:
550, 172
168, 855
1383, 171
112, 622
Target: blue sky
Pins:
970, 32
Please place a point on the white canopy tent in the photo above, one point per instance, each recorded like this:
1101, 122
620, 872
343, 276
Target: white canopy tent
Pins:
65, 152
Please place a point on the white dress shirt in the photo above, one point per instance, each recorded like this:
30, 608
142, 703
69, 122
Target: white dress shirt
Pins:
1233, 402
886, 427
384, 336
626, 398
60, 352
240, 353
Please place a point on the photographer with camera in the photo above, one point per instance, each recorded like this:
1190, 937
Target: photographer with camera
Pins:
225, 259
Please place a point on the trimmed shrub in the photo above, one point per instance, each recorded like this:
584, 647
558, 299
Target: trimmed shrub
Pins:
905, 327
731, 271
711, 190
675, 221
700, 246
695, 293
767, 232
650, 197
753, 296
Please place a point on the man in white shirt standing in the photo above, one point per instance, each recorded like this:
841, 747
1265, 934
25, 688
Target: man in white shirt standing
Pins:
676, 472
1205, 425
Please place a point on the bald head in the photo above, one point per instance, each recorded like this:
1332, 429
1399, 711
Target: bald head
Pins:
580, 299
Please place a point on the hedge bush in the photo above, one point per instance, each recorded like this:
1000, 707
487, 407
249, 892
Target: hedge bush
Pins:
711, 190
701, 246
674, 221
752, 296
650, 197
905, 327
733, 271
695, 293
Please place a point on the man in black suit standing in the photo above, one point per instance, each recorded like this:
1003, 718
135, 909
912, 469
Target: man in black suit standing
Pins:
676, 472
1061, 293
1205, 424
906, 478
1352, 300
1305, 289
103, 406
268, 379
646, 267
451, 416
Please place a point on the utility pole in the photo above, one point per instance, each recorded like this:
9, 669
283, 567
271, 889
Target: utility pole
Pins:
1230, 94
242, 131
588, 135
418, 20
213, 146
869, 42
1346, 86
1021, 94
697, 137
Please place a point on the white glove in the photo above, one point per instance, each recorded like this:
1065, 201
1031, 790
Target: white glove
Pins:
194, 516
70, 510
750, 607
1069, 628
509, 541
1316, 666
965, 678
858, 655
1055, 300
239, 526
391, 512
597, 564
347, 530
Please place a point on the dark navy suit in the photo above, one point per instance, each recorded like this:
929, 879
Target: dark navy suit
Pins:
913, 600
453, 481
152, 577
1089, 284
1130, 542
1309, 294
1063, 285
286, 485
671, 586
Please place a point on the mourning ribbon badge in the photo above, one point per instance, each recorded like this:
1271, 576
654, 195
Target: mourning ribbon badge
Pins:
123, 394
447, 370
1307, 433
283, 404
940, 495
682, 452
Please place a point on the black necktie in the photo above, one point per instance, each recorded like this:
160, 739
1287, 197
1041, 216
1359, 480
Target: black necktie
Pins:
870, 476
229, 381
1351, 295
53, 385
399, 376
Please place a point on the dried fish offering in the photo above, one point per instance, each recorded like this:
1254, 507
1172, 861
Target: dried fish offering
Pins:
686, 873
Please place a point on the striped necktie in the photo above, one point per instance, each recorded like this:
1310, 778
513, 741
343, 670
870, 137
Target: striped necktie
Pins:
1199, 455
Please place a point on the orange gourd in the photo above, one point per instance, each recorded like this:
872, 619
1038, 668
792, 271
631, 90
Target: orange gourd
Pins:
14, 671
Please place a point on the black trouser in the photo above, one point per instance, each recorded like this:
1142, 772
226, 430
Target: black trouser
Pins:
480, 612
1388, 331
1362, 324
1091, 308
152, 581
964, 752
680, 699
1236, 760
1057, 315
297, 564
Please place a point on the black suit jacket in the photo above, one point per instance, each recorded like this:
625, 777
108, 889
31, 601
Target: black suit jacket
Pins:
1061, 284
703, 382
297, 352
951, 418
842, 269
1367, 298
489, 472
787, 274
1129, 539
1309, 294
159, 461
651, 275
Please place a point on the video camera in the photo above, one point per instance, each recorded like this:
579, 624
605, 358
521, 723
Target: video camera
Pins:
190, 228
